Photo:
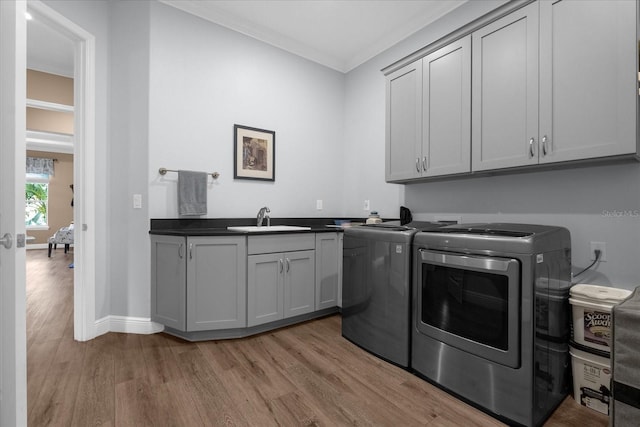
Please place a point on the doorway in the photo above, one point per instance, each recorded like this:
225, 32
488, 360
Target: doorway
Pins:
83, 46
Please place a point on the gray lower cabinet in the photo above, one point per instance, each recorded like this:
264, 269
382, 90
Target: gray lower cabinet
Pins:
280, 285
198, 283
216, 277
169, 281
280, 277
227, 284
328, 269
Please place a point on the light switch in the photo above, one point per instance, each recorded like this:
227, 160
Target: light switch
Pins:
137, 201
319, 204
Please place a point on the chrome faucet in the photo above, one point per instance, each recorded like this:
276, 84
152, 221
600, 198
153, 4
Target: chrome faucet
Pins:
262, 214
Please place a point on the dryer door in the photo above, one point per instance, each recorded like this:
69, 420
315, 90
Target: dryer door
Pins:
471, 302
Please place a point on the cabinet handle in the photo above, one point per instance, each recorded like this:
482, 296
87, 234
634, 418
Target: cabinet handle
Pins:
180, 254
190, 250
288, 264
281, 265
531, 149
418, 165
544, 145
424, 163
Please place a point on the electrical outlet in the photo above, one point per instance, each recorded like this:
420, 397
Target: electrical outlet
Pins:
319, 204
137, 201
366, 205
602, 246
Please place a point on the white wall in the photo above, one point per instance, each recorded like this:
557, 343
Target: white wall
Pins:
204, 79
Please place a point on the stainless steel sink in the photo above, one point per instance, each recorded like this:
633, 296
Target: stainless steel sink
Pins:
255, 228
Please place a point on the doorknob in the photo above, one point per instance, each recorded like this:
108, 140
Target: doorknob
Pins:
6, 241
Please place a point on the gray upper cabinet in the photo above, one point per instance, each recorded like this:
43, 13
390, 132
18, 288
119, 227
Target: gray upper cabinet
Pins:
552, 81
404, 123
576, 101
446, 117
429, 115
505, 92
588, 80
216, 277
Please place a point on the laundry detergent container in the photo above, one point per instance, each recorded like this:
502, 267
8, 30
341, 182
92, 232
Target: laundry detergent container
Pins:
591, 307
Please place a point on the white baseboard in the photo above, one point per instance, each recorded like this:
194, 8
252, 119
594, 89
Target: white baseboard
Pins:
37, 246
127, 325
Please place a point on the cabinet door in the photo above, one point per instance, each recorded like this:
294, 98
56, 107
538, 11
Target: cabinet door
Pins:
446, 120
404, 123
328, 256
168, 281
265, 283
588, 79
299, 283
216, 283
505, 91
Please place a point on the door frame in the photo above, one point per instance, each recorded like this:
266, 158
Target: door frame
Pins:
13, 332
84, 211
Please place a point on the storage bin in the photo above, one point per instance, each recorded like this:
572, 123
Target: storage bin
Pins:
591, 377
591, 307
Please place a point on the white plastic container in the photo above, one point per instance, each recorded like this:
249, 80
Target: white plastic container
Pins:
591, 380
591, 308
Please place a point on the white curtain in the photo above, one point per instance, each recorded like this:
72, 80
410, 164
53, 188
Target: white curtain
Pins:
40, 166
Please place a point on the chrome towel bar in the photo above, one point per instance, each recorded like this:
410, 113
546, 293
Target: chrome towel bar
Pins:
163, 171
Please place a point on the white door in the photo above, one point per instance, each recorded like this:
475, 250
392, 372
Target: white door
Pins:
13, 354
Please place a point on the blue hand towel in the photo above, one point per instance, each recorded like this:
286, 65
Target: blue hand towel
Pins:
192, 193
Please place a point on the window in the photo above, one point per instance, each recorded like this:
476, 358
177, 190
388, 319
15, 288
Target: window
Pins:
36, 193
36, 198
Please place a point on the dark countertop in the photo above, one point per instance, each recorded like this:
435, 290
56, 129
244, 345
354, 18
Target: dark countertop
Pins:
218, 226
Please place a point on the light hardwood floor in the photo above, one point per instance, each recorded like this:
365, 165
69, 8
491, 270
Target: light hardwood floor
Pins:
302, 375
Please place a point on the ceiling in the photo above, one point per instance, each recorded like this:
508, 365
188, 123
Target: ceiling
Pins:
48, 50
340, 34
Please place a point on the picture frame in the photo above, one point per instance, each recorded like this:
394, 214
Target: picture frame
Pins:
254, 153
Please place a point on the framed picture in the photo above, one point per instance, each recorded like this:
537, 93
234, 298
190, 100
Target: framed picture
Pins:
254, 153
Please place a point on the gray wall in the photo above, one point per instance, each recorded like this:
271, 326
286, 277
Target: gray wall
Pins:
204, 79
128, 159
598, 203
170, 87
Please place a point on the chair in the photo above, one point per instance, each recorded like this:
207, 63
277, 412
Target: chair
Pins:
64, 236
